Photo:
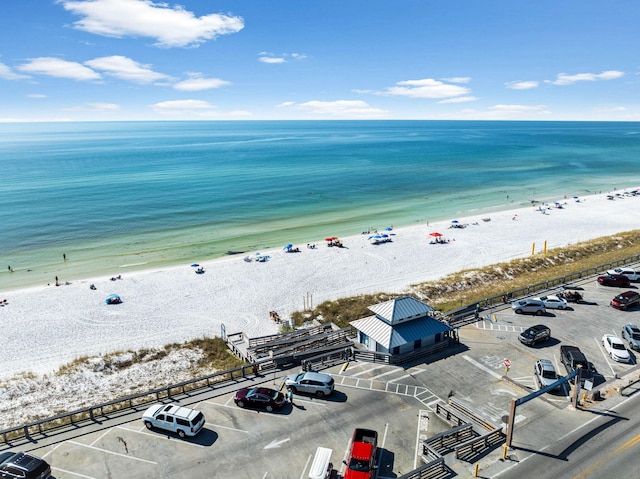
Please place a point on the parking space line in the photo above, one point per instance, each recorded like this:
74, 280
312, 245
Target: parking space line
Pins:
393, 371
480, 366
100, 437
400, 378
144, 431
604, 354
72, 473
368, 370
220, 426
106, 451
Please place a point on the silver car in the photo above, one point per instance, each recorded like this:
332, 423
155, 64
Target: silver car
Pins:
531, 306
545, 373
631, 333
310, 382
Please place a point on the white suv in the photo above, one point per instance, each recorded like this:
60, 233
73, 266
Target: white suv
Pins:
630, 273
181, 420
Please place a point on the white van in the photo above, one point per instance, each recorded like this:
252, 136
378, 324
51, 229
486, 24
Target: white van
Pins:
321, 466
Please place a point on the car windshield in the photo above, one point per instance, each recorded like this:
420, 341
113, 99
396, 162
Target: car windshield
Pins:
359, 465
548, 374
635, 336
530, 332
618, 346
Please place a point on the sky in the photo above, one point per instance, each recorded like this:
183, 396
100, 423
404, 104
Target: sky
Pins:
107, 60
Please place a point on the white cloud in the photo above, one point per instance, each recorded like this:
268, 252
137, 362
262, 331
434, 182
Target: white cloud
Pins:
337, 109
272, 60
199, 109
267, 57
425, 88
459, 99
98, 106
181, 105
36, 95
458, 79
503, 112
126, 69
522, 85
170, 26
197, 83
564, 79
56, 67
8, 74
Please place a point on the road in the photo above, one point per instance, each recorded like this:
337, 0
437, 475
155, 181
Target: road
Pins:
606, 446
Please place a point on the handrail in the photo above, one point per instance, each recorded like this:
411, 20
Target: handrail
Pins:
103, 410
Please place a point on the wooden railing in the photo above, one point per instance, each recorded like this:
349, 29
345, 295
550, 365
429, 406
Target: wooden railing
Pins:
123, 405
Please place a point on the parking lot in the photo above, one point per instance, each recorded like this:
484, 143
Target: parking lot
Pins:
396, 402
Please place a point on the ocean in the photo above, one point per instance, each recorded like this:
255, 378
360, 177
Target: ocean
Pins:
120, 196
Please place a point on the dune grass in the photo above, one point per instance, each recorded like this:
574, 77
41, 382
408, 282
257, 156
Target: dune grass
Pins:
469, 286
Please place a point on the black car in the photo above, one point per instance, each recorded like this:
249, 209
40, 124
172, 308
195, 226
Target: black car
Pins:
24, 466
573, 358
535, 334
258, 397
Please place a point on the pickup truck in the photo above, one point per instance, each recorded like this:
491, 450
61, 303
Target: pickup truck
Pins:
361, 455
572, 357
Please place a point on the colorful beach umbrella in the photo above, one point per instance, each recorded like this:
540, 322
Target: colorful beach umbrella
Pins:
435, 233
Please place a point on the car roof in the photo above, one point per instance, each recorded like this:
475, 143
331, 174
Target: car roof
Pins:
546, 364
613, 338
633, 328
539, 327
629, 294
317, 376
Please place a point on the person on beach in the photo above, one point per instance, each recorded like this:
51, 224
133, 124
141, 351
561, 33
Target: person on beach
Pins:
290, 395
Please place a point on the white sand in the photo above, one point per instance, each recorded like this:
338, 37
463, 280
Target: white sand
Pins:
45, 327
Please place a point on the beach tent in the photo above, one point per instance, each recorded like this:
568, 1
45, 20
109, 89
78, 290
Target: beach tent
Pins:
113, 299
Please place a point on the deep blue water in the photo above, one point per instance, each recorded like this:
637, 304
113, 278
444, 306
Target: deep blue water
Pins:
118, 194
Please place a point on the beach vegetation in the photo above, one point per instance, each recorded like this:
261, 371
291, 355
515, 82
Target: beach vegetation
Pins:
474, 285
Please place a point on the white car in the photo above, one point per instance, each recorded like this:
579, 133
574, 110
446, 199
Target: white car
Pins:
630, 273
171, 417
615, 347
553, 302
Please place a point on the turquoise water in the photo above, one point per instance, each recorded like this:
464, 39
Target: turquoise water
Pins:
129, 195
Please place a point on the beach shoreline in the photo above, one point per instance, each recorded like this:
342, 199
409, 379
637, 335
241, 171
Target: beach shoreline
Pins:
52, 326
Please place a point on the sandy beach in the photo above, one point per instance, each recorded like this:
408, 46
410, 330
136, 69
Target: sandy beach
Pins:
48, 326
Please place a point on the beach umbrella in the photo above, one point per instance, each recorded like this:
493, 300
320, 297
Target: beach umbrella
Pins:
330, 239
289, 246
388, 228
435, 233
454, 221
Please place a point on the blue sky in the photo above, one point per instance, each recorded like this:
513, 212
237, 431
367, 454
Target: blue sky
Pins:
101, 60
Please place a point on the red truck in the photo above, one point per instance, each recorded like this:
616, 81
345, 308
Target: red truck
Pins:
361, 456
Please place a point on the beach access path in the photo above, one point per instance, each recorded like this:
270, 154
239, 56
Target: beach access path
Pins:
48, 326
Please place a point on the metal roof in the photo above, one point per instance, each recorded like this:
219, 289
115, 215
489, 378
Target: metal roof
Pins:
390, 336
401, 309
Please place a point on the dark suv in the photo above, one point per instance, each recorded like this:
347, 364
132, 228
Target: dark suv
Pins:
535, 334
572, 358
24, 466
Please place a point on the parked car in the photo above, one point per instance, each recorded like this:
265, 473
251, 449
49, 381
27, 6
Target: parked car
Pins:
631, 333
614, 280
615, 347
310, 382
573, 358
553, 302
259, 397
535, 334
531, 306
178, 419
545, 373
630, 273
22, 465
626, 300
